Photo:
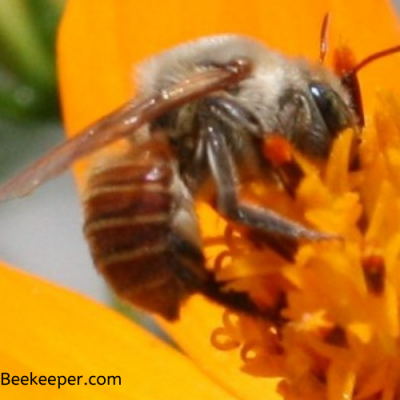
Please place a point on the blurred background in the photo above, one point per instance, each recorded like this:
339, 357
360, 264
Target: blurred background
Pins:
41, 233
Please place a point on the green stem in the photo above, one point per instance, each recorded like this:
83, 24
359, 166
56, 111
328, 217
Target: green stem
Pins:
20, 40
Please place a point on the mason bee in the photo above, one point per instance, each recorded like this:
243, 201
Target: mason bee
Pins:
196, 129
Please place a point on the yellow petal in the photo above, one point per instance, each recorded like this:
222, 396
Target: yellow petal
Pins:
50, 331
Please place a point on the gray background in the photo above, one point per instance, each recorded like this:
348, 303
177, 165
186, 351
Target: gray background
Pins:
42, 233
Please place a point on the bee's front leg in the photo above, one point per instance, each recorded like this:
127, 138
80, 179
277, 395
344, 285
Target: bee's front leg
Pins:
228, 202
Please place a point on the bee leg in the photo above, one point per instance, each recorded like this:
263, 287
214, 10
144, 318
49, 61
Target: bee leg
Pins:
233, 115
230, 205
240, 301
237, 301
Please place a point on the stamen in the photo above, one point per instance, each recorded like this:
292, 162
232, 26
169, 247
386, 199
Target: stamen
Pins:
336, 332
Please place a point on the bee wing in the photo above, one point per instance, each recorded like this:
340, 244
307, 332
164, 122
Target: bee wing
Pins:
122, 122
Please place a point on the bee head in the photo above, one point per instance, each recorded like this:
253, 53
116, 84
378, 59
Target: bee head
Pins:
312, 114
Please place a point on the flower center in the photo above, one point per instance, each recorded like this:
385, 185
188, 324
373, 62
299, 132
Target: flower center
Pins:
334, 329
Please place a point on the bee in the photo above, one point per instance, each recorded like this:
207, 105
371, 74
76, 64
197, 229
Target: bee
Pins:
196, 129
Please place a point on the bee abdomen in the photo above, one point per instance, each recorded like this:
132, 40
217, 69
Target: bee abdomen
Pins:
130, 209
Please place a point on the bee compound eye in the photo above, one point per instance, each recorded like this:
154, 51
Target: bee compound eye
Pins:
335, 113
311, 120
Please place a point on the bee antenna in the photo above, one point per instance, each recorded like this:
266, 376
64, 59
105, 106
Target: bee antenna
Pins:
371, 58
323, 38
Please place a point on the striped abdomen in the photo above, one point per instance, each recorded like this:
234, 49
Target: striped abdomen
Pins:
143, 232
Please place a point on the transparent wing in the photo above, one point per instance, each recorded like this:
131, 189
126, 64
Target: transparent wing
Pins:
122, 122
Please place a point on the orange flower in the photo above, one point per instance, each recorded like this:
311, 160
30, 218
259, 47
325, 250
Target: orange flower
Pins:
98, 46
48, 331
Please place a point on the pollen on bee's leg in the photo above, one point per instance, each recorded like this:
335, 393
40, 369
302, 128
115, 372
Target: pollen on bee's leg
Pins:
280, 153
277, 149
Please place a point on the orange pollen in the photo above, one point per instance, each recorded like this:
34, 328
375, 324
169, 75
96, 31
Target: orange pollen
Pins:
278, 150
